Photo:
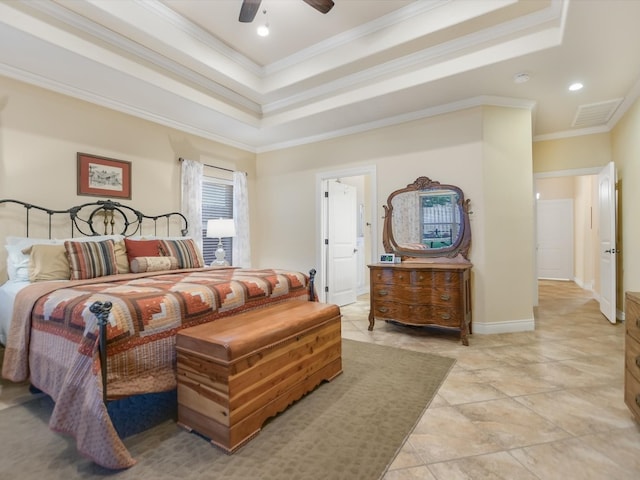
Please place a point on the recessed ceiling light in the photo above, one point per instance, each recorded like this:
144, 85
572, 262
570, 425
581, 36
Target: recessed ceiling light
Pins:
575, 86
521, 77
263, 28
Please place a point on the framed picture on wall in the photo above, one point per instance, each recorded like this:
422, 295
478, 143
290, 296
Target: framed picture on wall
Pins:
103, 177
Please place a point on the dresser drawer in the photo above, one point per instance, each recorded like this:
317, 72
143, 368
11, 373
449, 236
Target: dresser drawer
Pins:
418, 314
440, 278
390, 276
632, 356
433, 295
632, 393
632, 315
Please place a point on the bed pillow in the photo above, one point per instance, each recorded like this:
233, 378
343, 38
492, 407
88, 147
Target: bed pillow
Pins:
153, 264
186, 251
121, 250
122, 261
47, 262
17, 261
91, 259
142, 248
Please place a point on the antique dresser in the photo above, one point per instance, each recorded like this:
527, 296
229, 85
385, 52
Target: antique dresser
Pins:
632, 353
427, 228
422, 294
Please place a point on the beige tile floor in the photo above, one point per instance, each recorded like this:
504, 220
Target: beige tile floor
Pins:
539, 405
542, 405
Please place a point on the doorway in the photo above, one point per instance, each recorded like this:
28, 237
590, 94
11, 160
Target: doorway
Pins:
555, 241
583, 189
328, 277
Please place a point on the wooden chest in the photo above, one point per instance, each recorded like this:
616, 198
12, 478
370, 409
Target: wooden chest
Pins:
422, 294
236, 372
632, 353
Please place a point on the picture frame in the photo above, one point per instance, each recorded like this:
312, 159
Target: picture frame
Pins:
103, 176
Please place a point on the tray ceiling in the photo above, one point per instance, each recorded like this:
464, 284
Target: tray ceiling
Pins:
191, 65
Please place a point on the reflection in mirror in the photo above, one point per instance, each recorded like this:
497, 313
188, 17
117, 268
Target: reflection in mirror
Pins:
427, 219
440, 218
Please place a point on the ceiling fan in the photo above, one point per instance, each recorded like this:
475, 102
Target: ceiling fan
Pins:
250, 8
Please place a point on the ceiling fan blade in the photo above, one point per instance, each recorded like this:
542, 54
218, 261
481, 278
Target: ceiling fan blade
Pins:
322, 6
248, 10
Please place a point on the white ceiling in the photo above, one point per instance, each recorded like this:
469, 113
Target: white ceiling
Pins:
191, 65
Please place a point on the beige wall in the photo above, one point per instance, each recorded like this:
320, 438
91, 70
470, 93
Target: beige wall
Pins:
485, 151
555, 188
494, 173
41, 132
586, 215
572, 153
504, 274
443, 149
625, 143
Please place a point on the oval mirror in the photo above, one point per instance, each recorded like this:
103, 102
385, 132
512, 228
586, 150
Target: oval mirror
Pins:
427, 220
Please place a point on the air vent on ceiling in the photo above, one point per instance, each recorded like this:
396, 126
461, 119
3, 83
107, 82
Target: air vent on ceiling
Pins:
595, 113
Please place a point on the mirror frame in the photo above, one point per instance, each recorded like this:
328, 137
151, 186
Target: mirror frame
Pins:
425, 184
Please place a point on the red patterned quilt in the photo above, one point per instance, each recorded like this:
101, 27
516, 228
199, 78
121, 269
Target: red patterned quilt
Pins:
53, 339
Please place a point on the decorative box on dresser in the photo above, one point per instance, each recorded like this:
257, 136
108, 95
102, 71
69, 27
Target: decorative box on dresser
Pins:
632, 353
422, 294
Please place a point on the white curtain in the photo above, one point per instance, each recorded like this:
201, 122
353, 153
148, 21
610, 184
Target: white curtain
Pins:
241, 244
192, 198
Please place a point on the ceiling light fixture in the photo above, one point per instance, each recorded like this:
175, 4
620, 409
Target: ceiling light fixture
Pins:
574, 87
521, 77
263, 29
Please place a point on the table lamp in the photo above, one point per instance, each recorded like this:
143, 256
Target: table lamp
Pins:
220, 228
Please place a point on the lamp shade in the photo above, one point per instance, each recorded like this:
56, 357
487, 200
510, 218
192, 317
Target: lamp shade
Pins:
221, 228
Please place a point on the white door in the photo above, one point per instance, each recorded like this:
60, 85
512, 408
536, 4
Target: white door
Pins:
607, 238
555, 239
341, 244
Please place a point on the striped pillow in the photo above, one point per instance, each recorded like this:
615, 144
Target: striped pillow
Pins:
186, 251
91, 259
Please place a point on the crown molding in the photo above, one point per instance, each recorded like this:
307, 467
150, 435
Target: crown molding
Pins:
345, 38
84, 95
571, 133
404, 118
425, 58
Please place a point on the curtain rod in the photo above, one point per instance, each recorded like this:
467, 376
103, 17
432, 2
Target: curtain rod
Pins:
211, 166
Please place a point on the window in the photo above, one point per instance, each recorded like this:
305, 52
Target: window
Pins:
217, 202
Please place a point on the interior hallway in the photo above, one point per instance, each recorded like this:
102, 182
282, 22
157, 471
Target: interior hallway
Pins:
544, 405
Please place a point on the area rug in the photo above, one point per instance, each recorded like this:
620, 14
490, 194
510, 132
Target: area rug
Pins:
349, 428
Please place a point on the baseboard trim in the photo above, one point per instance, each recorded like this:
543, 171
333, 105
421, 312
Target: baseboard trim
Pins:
509, 326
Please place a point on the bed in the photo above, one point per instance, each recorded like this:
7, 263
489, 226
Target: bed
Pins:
143, 288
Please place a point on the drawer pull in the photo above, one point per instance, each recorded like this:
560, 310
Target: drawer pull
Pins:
445, 316
383, 293
638, 400
383, 309
445, 296
638, 322
638, 361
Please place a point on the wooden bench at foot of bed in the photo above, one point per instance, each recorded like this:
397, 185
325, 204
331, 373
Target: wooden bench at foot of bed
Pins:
236, 372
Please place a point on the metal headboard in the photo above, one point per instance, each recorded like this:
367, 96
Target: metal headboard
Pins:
104, 217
